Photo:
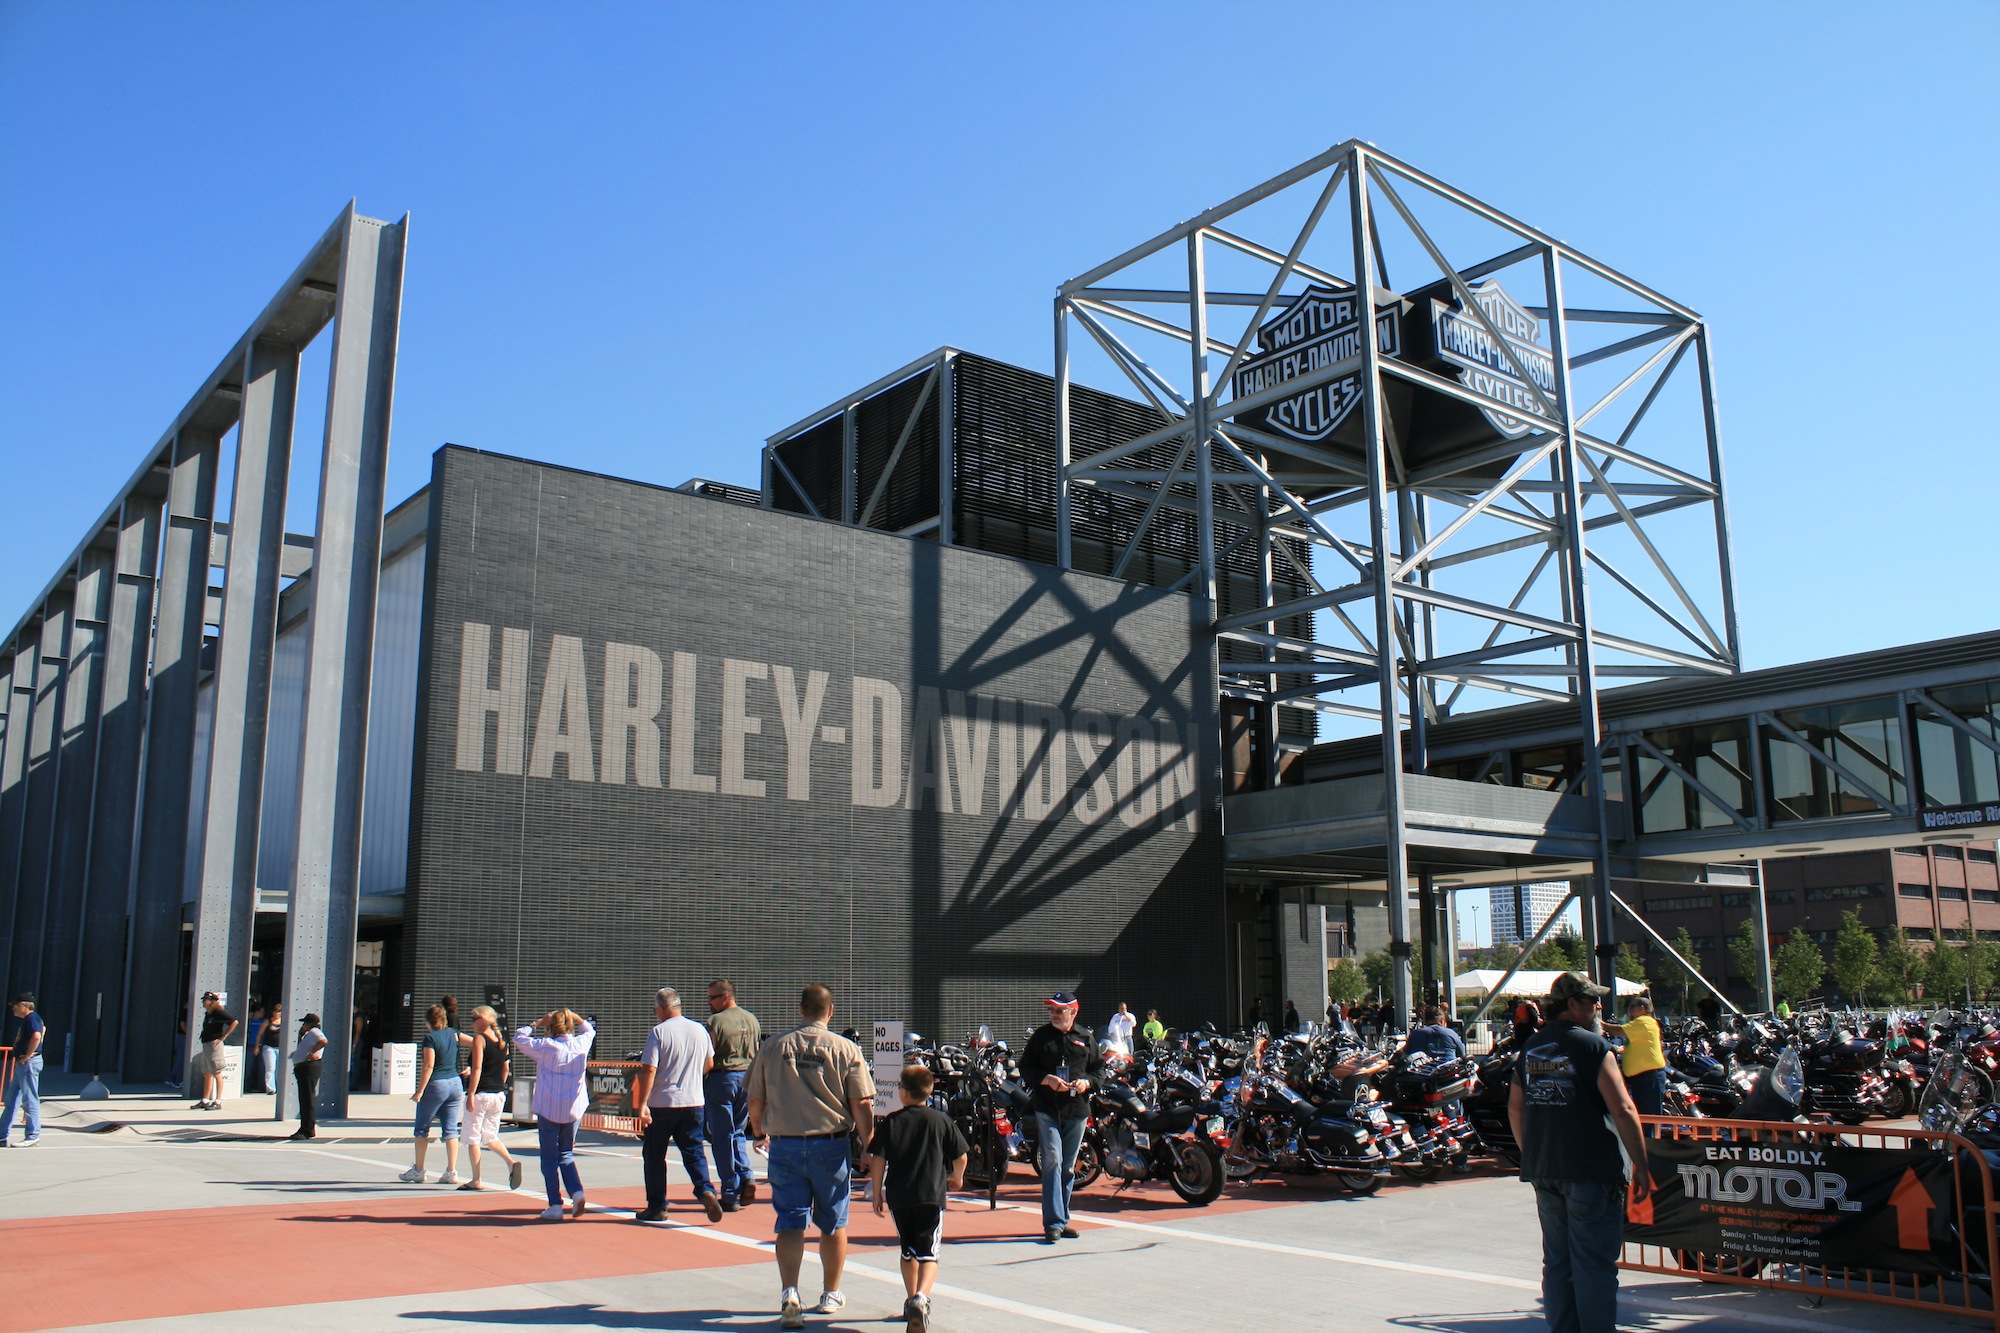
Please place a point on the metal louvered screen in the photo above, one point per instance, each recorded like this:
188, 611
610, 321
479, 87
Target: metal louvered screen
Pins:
1003, 480
896, 432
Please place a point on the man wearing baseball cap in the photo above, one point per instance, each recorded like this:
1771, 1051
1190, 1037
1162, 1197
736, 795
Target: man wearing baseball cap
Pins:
24, 1087
1571, 1114
1059, 1064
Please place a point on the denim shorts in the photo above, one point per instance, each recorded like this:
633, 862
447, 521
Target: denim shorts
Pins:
810, 1178
443, 1099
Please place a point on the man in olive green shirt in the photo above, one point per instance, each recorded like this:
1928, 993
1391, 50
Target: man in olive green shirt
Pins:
735, 1033
810, 1091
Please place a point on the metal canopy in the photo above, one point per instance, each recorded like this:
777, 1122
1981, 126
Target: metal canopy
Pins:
1492, 460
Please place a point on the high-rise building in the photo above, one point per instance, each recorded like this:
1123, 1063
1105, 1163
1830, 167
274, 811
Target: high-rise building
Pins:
1520, 909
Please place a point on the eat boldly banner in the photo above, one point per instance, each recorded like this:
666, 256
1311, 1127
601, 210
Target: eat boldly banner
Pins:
1817, 1204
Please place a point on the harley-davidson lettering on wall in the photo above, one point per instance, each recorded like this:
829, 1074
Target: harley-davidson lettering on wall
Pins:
600, 712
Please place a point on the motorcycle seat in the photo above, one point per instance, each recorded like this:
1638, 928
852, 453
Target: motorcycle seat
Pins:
1166, 1120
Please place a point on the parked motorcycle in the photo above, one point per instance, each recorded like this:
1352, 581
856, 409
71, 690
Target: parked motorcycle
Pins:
1140, 1142
1276, 1129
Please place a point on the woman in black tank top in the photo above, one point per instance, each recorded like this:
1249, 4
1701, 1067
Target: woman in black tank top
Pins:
488, 1095
493, 1068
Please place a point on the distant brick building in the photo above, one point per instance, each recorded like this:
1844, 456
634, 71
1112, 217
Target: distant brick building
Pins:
1944, 891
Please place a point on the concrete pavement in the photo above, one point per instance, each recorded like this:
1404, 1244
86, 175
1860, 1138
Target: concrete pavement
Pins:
178, 1219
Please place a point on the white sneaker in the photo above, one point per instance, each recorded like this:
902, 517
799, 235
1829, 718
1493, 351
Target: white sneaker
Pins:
554, 1214
448, 1178
830, 1302
576, 1205
412, 1177
789, 1315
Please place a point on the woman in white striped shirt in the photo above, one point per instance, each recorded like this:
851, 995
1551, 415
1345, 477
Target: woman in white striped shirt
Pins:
561, 1094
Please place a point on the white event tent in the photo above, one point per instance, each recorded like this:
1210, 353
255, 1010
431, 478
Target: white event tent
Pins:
1532, 985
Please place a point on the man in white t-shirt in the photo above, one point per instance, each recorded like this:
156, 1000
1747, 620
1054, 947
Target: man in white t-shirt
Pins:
667, 1094
1119, 1030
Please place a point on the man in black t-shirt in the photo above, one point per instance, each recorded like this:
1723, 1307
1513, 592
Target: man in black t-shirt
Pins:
923, 1156
1571, 1114
217, 1023
1059, 1065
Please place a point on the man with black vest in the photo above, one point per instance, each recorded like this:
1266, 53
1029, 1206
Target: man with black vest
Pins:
1571, 1114
1059, 1064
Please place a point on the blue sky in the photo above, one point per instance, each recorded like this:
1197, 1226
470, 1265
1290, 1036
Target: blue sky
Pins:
644, 237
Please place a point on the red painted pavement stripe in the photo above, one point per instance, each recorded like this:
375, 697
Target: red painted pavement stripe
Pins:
100, 1269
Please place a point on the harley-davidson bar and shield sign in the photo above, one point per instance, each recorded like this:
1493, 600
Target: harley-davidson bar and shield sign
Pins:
1320, 329
1464, 341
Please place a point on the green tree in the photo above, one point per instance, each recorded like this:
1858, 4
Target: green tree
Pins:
1564, 953
1898, 967
1628, 965
1347, 982
1797, 966
1854, 957
1379, 970
1681, 976
1982, 962
1743, 951
1944, 972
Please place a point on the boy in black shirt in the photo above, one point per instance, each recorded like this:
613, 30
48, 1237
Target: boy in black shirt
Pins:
917, 1148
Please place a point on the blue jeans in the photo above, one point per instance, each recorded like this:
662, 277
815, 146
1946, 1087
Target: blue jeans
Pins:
1649, 1091
1057, 1143
24, 1094
810, 1178
557, 1144
1583, 1231
443, 1100
728, 1120
681, 1127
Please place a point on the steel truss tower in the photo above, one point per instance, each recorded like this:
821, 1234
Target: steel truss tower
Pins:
1506, 484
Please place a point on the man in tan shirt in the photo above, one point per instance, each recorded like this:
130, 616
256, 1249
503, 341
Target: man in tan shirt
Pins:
809, 1091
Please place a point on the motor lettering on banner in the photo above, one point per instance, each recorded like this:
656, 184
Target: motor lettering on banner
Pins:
1829, 1205
610, 1087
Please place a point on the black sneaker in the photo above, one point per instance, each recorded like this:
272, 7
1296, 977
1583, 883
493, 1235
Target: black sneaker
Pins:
729, 1204
651, 1215
916, 1315
1050, 1235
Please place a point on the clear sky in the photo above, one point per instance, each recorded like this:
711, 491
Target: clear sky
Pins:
645, 236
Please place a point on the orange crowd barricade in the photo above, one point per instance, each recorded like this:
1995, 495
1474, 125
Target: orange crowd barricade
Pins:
1895, 1216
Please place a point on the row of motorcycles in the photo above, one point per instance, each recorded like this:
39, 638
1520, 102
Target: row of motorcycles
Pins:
1852, 1067
1199, 1110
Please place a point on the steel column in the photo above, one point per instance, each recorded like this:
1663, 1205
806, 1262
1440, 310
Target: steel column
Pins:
44, 761
1383, 574
1063, 551
226, 910
347, 566
69, 867
18, 673
101, 944
1765, 988
1206, 581
1600, 929
1725, 554
158, 887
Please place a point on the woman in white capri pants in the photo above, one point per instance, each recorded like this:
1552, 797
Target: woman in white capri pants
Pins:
487, 1087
